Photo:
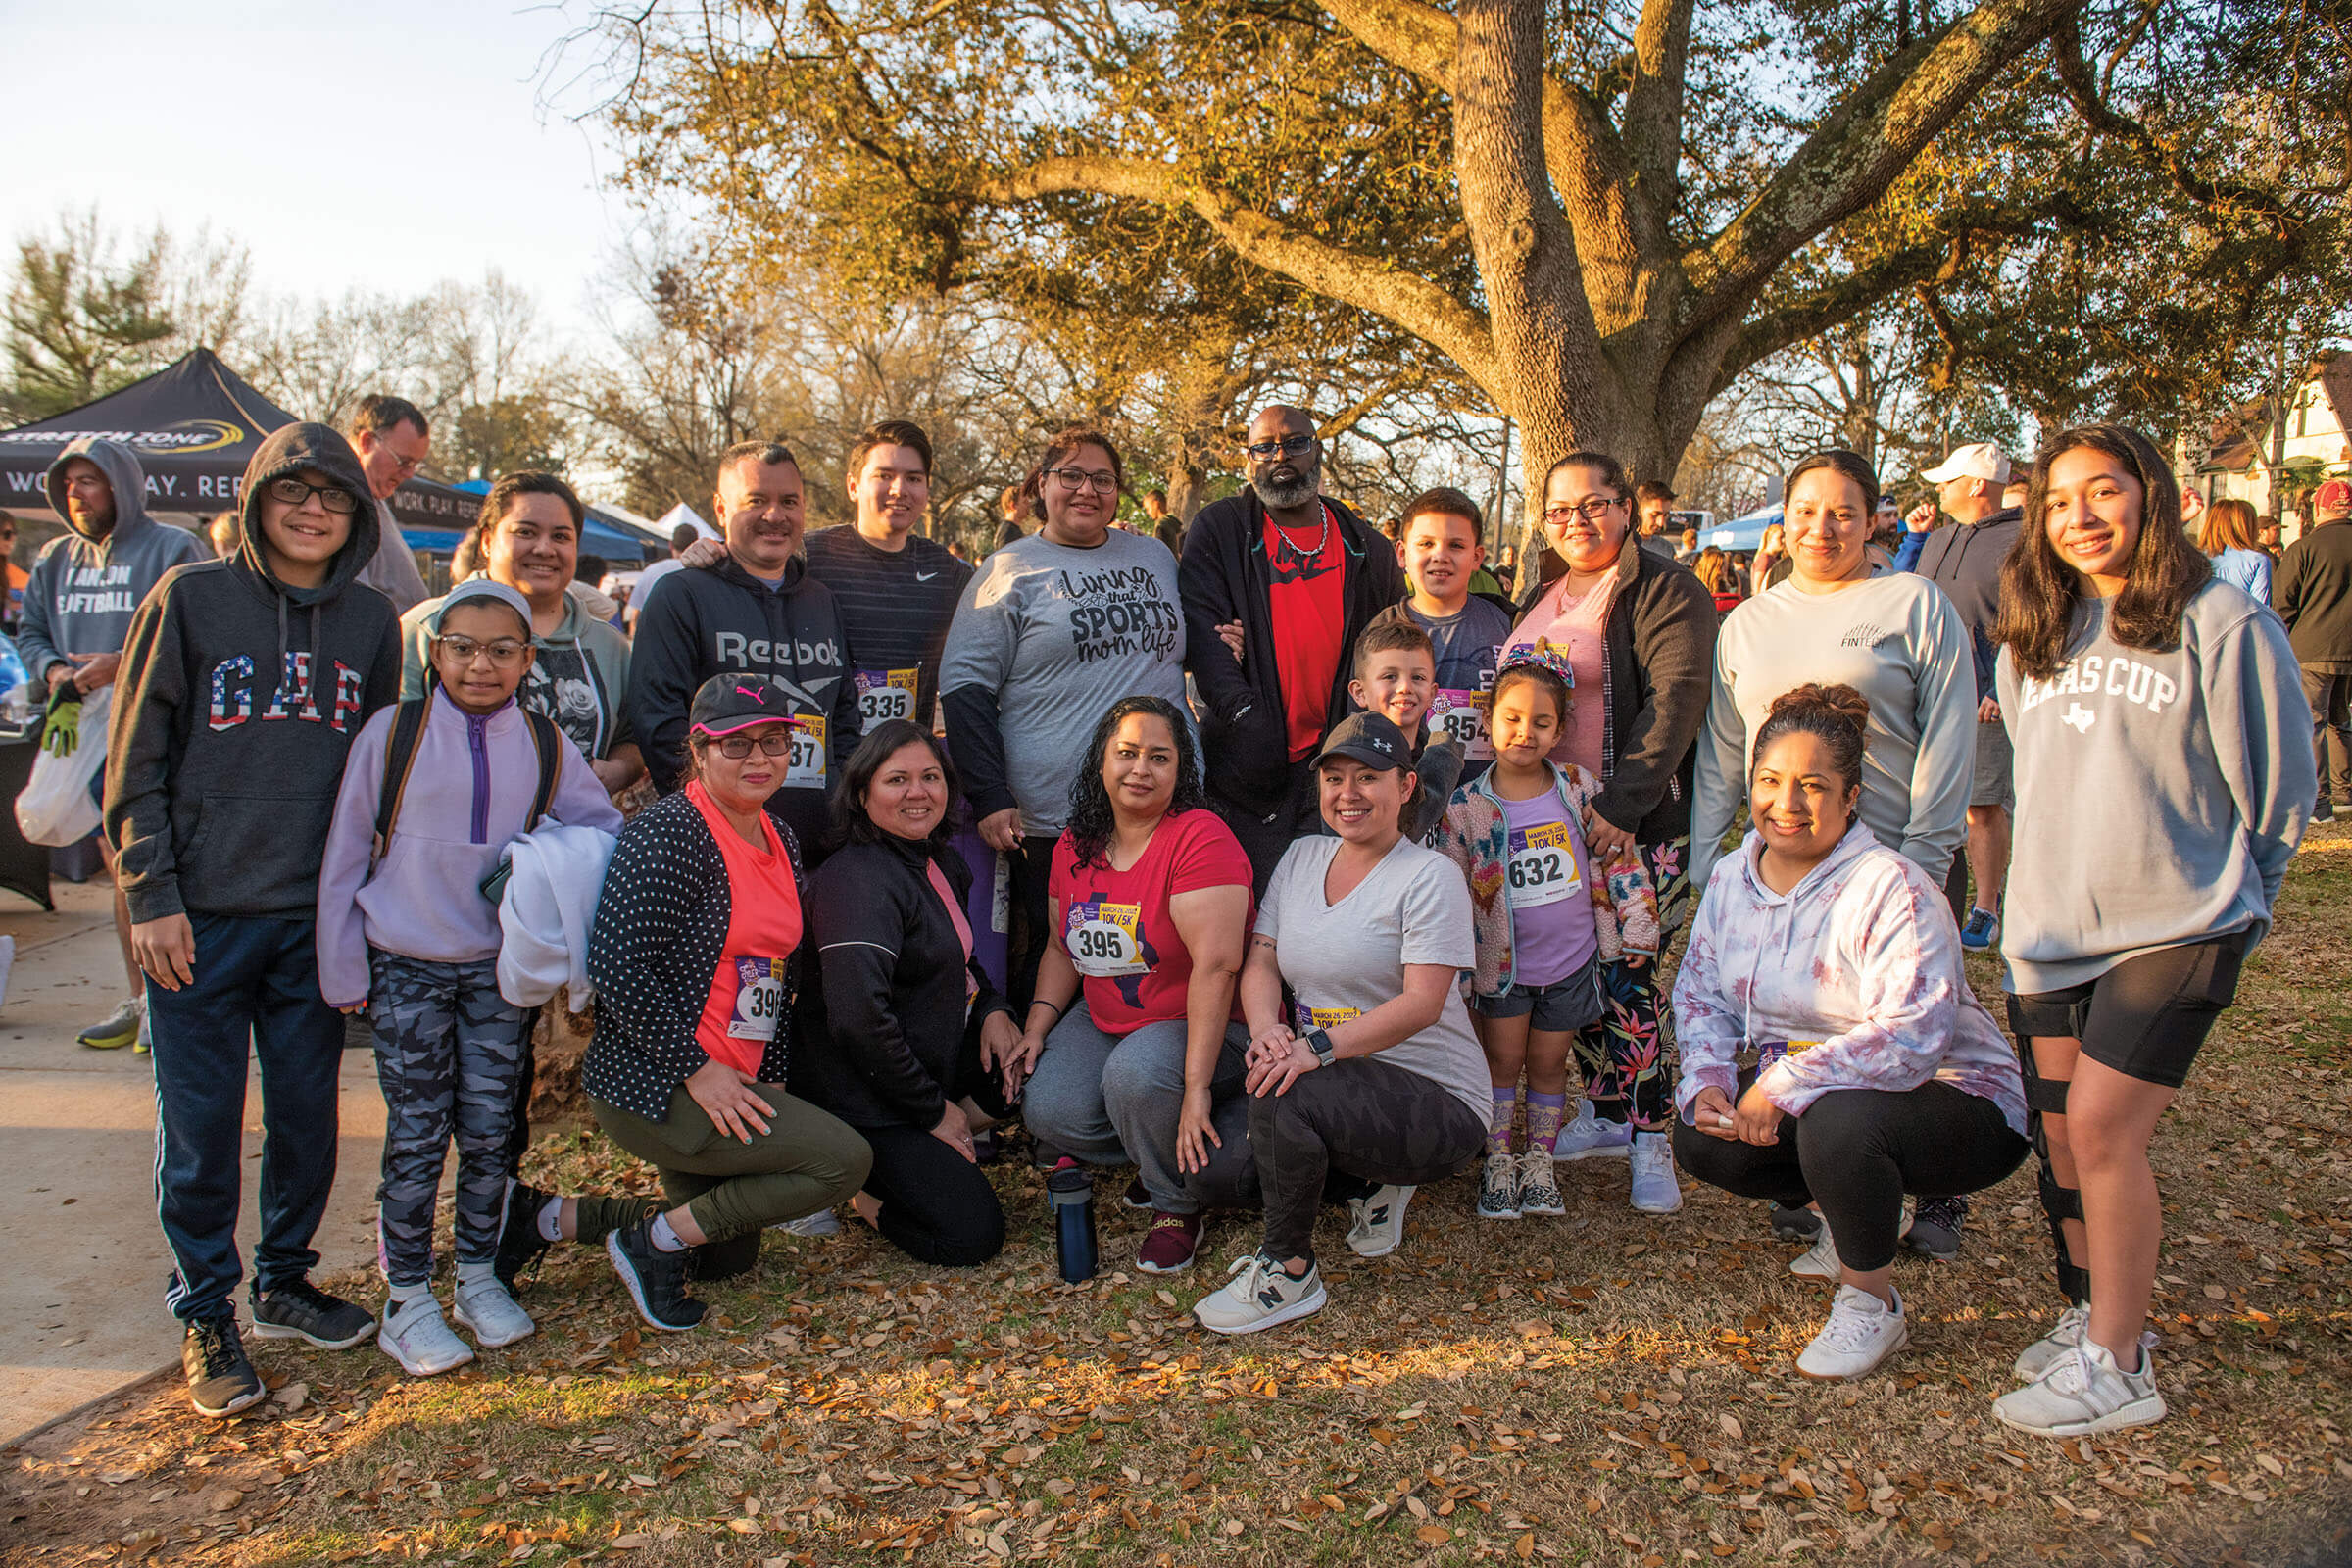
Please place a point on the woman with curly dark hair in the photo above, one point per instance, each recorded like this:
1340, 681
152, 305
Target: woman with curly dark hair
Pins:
1148, 895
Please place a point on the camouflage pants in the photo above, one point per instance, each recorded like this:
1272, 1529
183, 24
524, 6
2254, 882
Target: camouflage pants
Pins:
1364, 1116
449, 1054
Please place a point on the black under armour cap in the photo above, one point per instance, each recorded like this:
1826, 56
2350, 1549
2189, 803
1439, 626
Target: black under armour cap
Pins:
1367, 738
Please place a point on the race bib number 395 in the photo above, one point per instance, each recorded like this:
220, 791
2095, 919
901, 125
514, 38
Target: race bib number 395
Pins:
884, 695
807, 764
1542, 865
759, 999
1103, 940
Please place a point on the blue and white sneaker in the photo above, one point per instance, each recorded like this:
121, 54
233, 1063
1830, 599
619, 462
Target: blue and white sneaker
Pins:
1982, 931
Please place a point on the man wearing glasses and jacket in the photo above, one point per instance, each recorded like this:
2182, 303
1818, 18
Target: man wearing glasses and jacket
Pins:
1295, 577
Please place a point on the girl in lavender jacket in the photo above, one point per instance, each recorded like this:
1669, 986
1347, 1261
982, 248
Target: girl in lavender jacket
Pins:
1877, 1072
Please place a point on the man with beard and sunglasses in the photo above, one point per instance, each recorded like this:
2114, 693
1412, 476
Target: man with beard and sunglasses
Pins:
1295, 577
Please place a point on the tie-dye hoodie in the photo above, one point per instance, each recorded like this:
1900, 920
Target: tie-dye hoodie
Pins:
1856, 969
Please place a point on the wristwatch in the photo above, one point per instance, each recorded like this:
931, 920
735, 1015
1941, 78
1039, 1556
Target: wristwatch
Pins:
1319, 1041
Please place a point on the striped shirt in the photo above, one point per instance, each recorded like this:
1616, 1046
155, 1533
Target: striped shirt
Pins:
894, 610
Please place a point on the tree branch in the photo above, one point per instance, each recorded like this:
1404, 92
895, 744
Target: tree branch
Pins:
1653, 103
1862, 148
1414, 303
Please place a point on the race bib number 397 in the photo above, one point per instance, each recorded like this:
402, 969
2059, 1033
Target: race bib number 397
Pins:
759, 999
1542, 865
807, 764
884, 695
1103, 940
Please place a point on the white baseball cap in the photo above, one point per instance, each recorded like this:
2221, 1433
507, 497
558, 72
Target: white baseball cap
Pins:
1980, 460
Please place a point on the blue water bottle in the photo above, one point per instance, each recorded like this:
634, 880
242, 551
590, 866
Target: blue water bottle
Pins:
1071, 1192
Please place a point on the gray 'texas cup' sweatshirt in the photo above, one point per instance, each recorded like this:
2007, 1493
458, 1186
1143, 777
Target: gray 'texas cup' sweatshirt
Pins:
2159, 795
1896, 639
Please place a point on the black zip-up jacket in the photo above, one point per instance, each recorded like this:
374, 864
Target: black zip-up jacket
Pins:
661, 926
2312, 591
1225, 576
1964, 560
882, 1020
1661, 666
700, 623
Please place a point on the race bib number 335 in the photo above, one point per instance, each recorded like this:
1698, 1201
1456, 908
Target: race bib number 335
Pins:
1542, 865
884, 695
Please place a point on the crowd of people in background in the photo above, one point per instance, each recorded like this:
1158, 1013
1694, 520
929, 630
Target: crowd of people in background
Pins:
1292, 862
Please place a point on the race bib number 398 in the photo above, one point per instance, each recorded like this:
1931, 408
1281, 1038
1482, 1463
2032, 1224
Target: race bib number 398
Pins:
759, 999
807, 764
1103, 940
1542, 865
884, 695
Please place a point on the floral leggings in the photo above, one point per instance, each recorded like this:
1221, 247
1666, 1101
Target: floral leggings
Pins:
1625, 1056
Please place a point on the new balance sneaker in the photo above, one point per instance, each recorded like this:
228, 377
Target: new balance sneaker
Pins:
303, 1311
655, 1280
1539, 1185
1795, 1224
1935, 1227
144, 1045
2086, 1391
1820, 1260
221, 1381
1498, 1187
1376, 1221
519, 1243
2062, 1339
1170, 1244
1862, 1332
824, 1222
419, 1339
1982, 931
1263, 1295
1655, 1190
491, 1315
1589, 1137
118, 1028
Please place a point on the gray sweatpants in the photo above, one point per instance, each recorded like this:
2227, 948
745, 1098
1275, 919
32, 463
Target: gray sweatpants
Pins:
449, 1053
1109, 1100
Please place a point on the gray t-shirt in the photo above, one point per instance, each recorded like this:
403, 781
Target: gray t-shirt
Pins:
1346, 958
1059, 634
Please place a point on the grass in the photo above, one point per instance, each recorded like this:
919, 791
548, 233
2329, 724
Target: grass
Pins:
1600, 1388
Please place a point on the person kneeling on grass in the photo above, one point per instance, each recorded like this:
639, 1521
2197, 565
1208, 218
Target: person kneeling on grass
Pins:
1380, 1076
694, 956
1878, 1070
408, 934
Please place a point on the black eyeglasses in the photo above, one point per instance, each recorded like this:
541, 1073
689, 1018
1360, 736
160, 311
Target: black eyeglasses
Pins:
775, 743
1593, 508
334, 498
1290, 446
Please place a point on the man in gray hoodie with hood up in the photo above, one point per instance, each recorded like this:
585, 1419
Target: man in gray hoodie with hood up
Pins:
77, 608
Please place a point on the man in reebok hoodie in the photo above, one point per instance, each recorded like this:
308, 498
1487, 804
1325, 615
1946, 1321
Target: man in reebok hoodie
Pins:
757, 612
245, 681
77, 606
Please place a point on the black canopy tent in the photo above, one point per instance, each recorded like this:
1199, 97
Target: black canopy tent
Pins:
195, 424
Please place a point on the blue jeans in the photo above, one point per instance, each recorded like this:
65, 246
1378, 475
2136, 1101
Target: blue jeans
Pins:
256, 989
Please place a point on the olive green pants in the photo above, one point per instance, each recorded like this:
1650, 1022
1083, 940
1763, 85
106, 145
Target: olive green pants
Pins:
805, 1160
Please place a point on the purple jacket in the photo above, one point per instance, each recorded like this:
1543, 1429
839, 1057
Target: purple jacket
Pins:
467, 795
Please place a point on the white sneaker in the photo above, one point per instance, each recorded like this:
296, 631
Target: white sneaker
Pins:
1590, 1138
413, 1334
1498, 1187
2067, 1333
2084, 1393
8, 963
1655, 1189
1375, 1224
1539, 1185
492, 1314
824, 1222
1260, 1296
1862, 1331
1820, 1260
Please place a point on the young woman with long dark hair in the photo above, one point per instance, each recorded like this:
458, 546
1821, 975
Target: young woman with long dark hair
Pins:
2163, 780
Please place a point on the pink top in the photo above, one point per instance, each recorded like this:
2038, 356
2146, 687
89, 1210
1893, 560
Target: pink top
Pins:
1580, 625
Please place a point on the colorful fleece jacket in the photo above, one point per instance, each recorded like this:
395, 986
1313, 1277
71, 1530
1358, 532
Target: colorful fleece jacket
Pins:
1473, 836
1856, 969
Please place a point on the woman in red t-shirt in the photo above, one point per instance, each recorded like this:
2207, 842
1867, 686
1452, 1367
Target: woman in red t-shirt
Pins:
1149, 906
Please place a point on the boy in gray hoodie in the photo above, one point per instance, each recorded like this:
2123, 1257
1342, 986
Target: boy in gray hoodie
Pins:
76, 616
244, 684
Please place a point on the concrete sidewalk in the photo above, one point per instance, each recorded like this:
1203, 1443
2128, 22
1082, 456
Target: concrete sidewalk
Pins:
82, 1309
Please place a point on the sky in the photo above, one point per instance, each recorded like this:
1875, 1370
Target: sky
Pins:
388, 146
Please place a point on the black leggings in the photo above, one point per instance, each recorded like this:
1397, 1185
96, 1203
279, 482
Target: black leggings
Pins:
1856, 1151
1366, 1117
1029, 916
937, 1207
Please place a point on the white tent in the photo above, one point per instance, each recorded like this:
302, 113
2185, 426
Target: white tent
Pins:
682, 512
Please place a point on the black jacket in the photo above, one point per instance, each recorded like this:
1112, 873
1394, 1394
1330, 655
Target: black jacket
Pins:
660, 925
723, 618
238, 699
2312, 591
1661, 666
1225, 576
882, 1020
1964, 560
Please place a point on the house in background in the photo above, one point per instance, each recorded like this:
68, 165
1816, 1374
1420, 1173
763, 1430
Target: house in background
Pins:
2316, 444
